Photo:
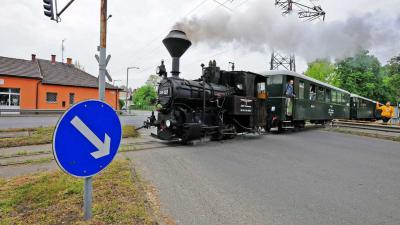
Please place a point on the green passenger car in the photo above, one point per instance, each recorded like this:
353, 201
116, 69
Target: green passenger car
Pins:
314, 101
362, 108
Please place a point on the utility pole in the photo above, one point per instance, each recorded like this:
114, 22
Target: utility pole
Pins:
103, 61
102, 49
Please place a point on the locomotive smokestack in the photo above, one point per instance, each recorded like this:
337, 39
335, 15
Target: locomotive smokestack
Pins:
176, 43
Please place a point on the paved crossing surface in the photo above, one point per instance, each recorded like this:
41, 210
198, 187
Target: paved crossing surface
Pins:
310, 177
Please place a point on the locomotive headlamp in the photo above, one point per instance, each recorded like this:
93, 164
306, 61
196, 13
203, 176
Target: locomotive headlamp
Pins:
168, 123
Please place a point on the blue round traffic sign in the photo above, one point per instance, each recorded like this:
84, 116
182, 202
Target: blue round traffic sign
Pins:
87, 138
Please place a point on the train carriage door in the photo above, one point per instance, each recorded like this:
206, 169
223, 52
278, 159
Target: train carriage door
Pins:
261, 100
328, 104
312, 97
300, 108
290, 95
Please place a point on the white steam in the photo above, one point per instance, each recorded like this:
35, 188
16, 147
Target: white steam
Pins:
261, 27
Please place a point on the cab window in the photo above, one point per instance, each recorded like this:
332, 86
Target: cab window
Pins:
261, 91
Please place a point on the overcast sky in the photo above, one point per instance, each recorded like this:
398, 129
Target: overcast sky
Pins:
136, 30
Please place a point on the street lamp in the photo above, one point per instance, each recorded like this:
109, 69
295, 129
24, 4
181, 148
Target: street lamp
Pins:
116, 81
127, 88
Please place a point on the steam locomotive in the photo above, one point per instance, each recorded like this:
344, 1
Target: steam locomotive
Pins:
220, 104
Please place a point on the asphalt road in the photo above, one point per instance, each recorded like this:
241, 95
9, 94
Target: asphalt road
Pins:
7, 122
312, 178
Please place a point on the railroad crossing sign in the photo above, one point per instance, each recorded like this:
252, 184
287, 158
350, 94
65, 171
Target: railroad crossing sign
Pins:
87, 138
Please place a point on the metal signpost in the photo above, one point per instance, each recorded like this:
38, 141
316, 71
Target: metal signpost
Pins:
86, 139
78, 143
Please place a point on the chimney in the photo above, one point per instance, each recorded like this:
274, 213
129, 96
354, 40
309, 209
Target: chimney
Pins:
69, 61
176, 43
33, 57
53, 59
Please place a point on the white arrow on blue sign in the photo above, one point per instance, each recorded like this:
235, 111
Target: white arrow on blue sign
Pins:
87, 138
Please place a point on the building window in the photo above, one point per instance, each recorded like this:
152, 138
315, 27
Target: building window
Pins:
71, 98
51, 97
9, 97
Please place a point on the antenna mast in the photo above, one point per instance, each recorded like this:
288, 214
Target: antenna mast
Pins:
62, 50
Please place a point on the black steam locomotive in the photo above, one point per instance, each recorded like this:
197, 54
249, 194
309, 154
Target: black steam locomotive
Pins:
220, 104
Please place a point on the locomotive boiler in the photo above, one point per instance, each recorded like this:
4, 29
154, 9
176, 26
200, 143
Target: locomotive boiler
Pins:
220, 104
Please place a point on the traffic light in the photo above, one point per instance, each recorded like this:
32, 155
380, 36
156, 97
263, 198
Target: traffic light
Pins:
48, 8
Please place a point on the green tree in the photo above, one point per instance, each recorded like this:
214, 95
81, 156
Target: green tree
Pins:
145, 96
391, 79
153, 81
323, 70
121, 103
361, 75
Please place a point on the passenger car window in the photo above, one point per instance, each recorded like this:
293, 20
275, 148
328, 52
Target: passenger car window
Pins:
321, 94
301, 90
313, 92
334, 96
277, 79
345, 98
328, 96
339, 97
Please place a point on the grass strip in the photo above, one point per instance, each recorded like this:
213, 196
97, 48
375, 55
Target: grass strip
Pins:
22, 154
365, 134
28, 161
42, 135
17, 130
56, 198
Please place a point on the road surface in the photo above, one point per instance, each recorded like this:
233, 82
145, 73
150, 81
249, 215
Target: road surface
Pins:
311, 177
7, 122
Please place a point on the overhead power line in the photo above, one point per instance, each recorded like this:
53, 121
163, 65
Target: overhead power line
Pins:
223, 4
161, 34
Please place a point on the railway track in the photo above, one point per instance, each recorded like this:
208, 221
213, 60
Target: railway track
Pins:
367, 126
47, 156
